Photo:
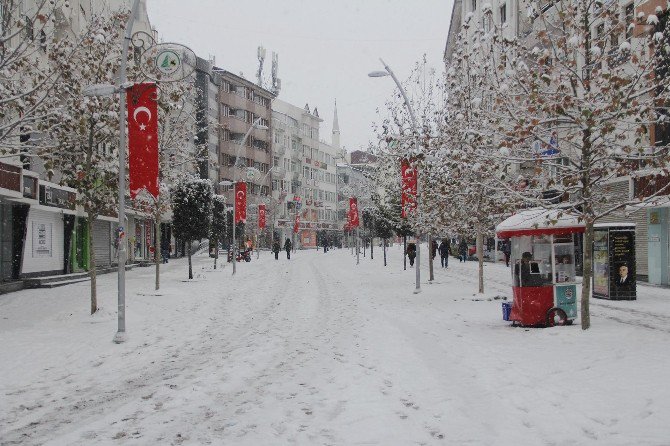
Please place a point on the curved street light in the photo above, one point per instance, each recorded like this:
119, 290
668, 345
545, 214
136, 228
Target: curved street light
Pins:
389, 72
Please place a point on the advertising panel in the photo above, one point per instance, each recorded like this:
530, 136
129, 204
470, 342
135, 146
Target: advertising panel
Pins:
600, 264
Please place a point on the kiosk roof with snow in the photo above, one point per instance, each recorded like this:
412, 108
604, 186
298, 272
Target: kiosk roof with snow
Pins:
539, 221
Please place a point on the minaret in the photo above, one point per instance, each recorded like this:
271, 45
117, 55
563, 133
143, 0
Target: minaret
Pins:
336, 129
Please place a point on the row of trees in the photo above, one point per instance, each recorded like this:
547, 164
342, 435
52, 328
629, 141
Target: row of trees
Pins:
545, 118
70, 138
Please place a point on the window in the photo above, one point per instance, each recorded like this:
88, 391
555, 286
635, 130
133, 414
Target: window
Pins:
28, 30
629, 20
43, 40
486, 23
503, 14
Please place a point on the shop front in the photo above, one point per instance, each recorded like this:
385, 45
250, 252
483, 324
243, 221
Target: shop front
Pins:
18, 191
141, 241
658, 242
48, 231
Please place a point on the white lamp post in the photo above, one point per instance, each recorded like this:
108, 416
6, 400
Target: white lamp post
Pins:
388, 72
255, 125
107, 90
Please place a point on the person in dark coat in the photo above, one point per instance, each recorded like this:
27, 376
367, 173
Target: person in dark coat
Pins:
276, 248
411, 253
462, 251
506, 252
287, 247
444, 253
433, 249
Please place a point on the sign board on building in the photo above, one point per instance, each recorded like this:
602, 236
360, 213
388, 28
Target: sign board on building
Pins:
42, 239
59, 198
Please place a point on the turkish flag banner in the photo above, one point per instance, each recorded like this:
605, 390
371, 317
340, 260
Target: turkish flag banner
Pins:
143, 139
353, 213
261, 216
409, 187
240, 202
296, 225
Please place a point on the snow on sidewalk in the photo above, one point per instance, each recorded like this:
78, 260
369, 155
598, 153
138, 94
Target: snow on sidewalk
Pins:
319, 350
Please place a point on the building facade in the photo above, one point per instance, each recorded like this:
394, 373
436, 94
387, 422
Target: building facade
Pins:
305, 182
241, 104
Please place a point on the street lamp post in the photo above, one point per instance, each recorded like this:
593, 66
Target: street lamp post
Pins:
388, 72
107, 90
254, 125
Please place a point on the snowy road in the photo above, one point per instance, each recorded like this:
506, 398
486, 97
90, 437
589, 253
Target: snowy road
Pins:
319, 351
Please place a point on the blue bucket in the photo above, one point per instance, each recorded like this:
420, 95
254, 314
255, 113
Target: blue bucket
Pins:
506, 309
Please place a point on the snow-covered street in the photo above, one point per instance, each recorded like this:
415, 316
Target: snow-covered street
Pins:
320, 351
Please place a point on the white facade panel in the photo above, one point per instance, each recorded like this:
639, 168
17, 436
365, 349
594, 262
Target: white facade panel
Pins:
43, 250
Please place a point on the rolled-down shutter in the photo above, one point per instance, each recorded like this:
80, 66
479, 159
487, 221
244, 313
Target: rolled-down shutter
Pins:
102, 246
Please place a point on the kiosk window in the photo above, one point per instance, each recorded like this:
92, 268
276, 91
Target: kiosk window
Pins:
534, 268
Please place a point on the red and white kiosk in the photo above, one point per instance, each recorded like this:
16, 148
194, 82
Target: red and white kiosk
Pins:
542, 261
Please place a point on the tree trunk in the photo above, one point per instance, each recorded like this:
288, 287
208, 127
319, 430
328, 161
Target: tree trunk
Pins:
384, 242
216, 251
431, 275
587, 274
91, 265
190, 264
372, 248
480, 257
158, 252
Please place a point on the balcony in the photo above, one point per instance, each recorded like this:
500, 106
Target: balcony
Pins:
278, 172
296, 155
279, 150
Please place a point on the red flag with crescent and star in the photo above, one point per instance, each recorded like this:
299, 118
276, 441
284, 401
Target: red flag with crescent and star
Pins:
261, 216
353, 212
240, 202
409, 188
296, 225
143, 139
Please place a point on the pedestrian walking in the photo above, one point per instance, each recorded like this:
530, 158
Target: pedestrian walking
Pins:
411, 253
462, 251
444, 253
506, 252
433, 249
165, 251
287, 247
276, 248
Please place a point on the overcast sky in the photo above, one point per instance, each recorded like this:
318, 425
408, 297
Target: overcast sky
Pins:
325, 47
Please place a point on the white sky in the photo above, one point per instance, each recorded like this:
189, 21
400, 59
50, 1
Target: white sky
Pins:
325, 48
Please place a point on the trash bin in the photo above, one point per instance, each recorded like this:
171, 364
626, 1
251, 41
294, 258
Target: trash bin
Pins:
506, 309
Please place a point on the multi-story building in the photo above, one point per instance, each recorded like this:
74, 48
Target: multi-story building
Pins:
241, 105
41, 230
305, 180
207, 84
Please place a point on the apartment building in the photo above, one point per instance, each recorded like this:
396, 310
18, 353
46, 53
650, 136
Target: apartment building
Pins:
305, 181
207, 84
42, 232
241, 104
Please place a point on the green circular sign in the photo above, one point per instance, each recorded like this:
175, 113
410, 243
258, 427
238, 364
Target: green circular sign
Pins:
167, 62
